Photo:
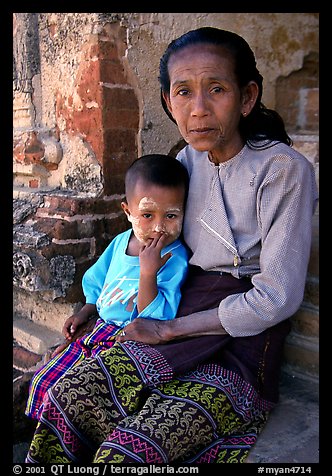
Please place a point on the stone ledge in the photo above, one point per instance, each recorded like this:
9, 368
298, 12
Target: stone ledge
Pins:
291, 434
35, 337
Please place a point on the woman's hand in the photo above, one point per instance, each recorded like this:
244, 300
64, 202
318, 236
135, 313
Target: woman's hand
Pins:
153, 331
149, 331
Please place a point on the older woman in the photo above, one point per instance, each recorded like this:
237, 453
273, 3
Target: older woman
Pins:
200, 388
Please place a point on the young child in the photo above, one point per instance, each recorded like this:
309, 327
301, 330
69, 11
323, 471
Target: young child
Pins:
139, 274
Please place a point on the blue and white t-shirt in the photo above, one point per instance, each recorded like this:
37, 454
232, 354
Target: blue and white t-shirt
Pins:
112, 283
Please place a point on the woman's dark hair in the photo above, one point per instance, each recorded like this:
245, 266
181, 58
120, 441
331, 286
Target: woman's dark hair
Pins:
157, 169
262, 124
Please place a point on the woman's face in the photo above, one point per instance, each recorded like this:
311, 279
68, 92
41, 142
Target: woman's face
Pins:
205, 99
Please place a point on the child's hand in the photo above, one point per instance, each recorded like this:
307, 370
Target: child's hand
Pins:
149, 255
72, 324
81, 329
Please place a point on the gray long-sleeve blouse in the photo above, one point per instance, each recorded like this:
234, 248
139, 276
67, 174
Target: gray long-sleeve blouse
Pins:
252, 216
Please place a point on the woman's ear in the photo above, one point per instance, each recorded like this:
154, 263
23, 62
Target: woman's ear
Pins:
167, 104
167, 101
249, 97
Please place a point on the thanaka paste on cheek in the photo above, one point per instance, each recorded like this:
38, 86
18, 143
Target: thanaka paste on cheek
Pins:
138, 232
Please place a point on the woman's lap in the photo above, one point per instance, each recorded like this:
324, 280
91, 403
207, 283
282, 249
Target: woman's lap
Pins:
139, 403
104, 412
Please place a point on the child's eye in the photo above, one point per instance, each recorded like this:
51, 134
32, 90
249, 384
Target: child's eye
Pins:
147, 215
171, 216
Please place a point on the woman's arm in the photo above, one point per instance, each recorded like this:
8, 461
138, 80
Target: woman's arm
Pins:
160, 332
286, 206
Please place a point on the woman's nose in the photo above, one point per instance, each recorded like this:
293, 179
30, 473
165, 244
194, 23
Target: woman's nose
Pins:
199, 105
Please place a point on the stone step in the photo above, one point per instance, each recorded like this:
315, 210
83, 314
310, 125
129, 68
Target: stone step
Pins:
301, 354
35, 337
291, 434
311, 291
313, 268
306, 321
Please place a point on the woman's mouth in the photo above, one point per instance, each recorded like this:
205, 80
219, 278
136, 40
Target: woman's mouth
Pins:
201, 130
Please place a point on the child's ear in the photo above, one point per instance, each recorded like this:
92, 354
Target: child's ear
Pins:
125, 208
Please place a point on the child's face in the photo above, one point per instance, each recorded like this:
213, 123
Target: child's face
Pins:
154, 210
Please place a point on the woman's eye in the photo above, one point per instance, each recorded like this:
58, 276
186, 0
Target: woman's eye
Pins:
217, 89
183, 92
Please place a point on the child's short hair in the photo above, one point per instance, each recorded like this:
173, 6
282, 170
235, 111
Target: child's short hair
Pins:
157, 169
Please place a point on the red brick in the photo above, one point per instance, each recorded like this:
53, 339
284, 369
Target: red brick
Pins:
60, 212
113, 227
119, 98
34, 183
89, 88
112, 71
104, 50
45, 225
116, 141
77, 250
121, 118
64, 230
80, 206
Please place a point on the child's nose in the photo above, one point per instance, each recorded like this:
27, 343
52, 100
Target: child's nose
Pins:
159, 227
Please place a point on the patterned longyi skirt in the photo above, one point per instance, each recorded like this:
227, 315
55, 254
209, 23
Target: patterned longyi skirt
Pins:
124, 406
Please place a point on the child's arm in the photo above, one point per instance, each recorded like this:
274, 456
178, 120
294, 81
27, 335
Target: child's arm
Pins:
150, 263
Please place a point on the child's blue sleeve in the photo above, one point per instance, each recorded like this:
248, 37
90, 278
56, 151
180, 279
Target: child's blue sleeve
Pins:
93, 279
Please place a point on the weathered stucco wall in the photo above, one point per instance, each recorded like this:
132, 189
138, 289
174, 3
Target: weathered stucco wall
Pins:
66, 99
